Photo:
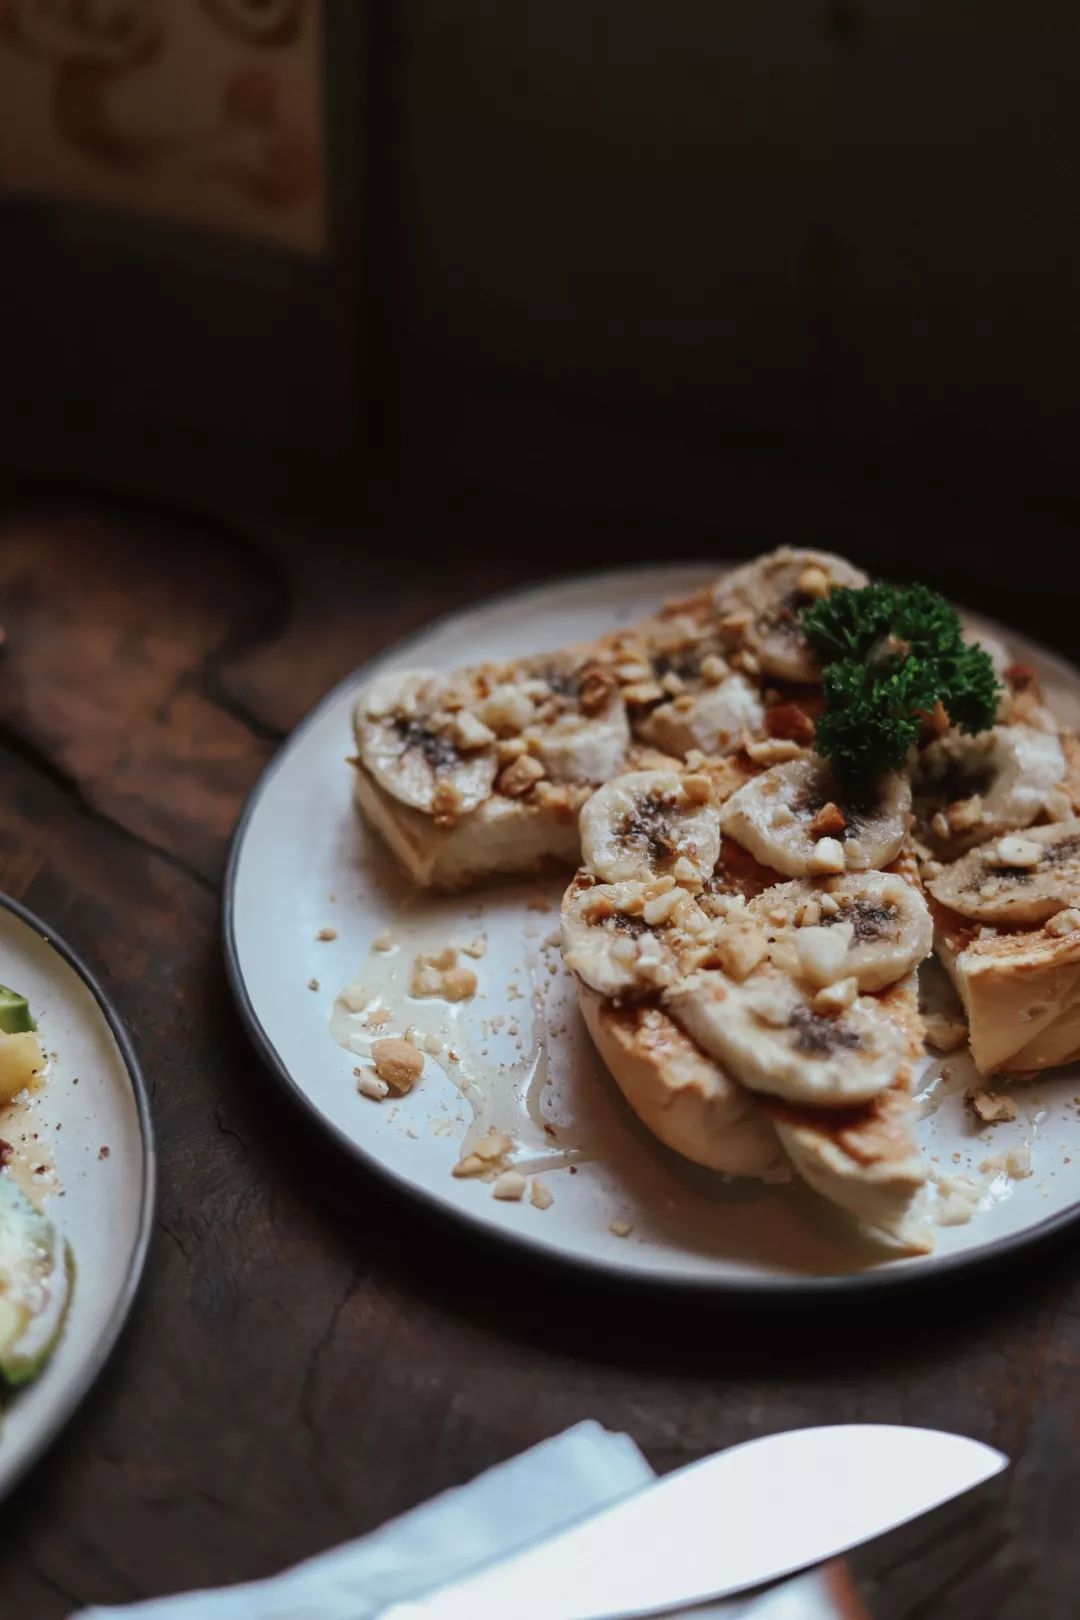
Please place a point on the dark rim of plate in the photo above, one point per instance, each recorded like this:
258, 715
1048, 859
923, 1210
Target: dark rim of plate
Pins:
94, 1363
891, 1273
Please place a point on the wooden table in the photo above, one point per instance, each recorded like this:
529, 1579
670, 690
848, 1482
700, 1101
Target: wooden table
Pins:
311, 1355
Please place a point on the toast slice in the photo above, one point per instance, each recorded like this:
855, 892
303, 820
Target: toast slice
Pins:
482, 772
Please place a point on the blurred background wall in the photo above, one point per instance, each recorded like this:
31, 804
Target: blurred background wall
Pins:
621, 259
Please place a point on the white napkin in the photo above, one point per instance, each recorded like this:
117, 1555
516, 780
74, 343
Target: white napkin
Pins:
516, 1503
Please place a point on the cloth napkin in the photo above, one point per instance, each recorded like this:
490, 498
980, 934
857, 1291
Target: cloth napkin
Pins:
519, 1502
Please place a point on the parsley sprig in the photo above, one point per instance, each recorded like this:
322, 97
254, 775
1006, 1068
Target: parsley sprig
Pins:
890, 654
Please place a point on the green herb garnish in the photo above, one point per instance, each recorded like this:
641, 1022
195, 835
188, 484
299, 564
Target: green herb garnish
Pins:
890, 654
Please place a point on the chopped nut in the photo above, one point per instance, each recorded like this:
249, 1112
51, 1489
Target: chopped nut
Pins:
1018, 1163
827, 855
991, 1107
944, 1034
369, 1085
829, 822
672, 684
963, 814
510, 1186
313, 984
540, 1194
741, 947
939, 825
445, 804
830, 906
643, 693
495, 1145
507, 710
657, 911
789, 721
697, 788
770, 750
836, 997
508, 749
932, 869
620, 1229
470, 733
470, 1165
814, 581
736, 624
426, 980
594, 692
519, 776
326, 933
808, 914
383, 941
747, 661
476, 947
685, 872
714, 669
1066, 922
458, 984
634, 669
396, 1062
855, 856
822, 952
1012, 851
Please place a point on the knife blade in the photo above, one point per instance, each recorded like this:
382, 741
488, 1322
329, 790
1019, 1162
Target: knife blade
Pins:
737, 1520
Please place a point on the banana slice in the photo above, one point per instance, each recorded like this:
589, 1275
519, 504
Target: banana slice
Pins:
766, 1032
580, 729
623, 939
1021, 879
968, 789
643, 824
882, 921
711, 719
775, 591
782, 816
427, 755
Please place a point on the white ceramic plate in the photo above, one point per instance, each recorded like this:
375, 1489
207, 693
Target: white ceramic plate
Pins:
101, 1200
302, 862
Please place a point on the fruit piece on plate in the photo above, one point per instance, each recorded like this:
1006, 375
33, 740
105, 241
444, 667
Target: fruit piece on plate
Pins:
36, 1277
785, 816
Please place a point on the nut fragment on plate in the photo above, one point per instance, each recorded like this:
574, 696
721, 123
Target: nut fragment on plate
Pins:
397, 1062
439, 974
944, 1034
991, 1107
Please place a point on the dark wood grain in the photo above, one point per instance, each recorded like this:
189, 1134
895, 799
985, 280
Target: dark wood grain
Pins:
311, 1355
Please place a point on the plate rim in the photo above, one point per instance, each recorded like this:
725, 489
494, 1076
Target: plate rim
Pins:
101, 1351
774, 1287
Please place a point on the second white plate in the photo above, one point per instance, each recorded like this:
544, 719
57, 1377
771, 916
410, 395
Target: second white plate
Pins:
302, 864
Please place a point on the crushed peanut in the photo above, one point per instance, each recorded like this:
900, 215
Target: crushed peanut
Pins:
510, 1186
470, 1165
963, 814
813, 581
829, 822
770, 750
492, 1147
440, 975
620, 1229
470, 733
714, 669
944, 1034
540, 1194
397, 1062
836, 997
1013, 851
991, 1107
326, 933
369, 1085
741, 947
1066, 922
827, 855
519, 776
383, 941
939, 825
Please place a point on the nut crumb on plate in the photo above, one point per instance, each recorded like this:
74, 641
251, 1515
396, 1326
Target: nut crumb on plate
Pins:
326, 933
944, 1034
620, 1229
540, 1194
369, 1085
383, 941
510, 1186
990, 1106
313, 984
397, 1062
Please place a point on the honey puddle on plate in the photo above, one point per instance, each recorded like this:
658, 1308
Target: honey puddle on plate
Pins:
493, 1047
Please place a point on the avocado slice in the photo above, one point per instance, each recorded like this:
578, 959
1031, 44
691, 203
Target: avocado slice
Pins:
15, 1015
36, 1278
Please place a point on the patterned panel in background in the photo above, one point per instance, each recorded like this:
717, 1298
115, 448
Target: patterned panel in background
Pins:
204, 112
